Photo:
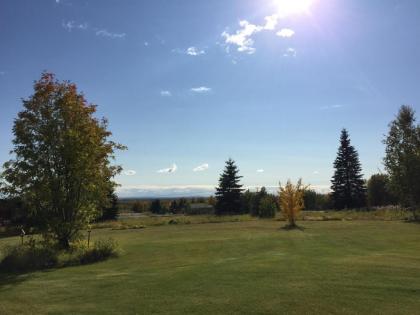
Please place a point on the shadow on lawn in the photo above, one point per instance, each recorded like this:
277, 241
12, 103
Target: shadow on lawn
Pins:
11, 279
289, 227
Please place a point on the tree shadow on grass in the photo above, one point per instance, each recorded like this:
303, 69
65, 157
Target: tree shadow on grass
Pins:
289, 227
8, 280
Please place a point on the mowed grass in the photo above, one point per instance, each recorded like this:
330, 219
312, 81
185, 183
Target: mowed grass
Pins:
253, 267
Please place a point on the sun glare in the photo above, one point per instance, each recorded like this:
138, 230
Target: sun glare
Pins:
292, 7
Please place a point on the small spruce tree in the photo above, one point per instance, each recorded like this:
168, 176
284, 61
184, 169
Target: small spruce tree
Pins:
348, 187
228, 194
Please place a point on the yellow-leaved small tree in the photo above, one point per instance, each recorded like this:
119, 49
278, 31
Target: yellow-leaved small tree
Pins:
291, 200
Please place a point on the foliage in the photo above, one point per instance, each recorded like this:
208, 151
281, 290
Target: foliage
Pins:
101, 250
30, 256
62, 169
248, 202
348, 186
259, 195
228, 194
267, 207
316, 201
402, 159
291, 200
156, 207
378, 191
110, 211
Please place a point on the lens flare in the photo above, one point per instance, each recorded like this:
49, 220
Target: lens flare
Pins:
293, 7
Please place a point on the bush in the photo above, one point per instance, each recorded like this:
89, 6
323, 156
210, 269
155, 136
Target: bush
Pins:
267, 207
101, 250
29, 256
34, 255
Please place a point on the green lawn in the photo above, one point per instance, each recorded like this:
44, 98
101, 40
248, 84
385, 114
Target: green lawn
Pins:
252, 267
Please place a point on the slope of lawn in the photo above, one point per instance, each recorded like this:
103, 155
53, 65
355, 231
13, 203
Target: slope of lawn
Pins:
252, 267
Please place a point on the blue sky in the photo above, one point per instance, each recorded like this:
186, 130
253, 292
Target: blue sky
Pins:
192, 83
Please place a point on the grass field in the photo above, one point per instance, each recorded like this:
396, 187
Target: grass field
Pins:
249, 267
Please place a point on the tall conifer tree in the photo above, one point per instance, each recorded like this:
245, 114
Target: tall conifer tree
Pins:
348, 186
228, 194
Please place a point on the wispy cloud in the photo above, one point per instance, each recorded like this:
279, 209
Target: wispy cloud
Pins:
165, 93
315, 172
171, 169
146, 44
70, 25
290, 52
194, 51
73, 25
2, 72
260, 170
129, 172
285, 32
201, 168
105, 33
326, 107
201, 89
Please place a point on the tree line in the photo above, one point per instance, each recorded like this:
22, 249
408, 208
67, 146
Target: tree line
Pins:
62, 170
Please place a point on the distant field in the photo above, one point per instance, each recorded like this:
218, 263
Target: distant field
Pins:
248, 267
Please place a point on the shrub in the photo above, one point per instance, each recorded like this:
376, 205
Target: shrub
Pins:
29, 256
267, 207
101, 250
291, 201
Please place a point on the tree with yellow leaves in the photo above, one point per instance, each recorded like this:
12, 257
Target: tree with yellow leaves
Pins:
291, 200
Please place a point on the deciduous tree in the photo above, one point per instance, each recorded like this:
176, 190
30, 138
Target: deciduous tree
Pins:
402, 159
62, 159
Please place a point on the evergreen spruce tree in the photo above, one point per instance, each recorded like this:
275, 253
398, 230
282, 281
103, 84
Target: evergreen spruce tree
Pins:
348, 186
228, 194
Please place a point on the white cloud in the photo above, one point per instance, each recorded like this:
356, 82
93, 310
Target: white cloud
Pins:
130, 173
171, 169
260, 170
201, 89
105, 33
315, 172
194, 51
285, 32
146, 44
70, 25
242, 38
201, 167
290, 52
271, 22
165, 93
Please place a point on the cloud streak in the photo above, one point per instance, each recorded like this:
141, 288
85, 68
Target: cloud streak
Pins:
201, 89
201, 168
171, 169
105, 33
71, 25
129, 173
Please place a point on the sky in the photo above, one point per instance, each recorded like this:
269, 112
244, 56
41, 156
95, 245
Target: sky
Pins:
186, 84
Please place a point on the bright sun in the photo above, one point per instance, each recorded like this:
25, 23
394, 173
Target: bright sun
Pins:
292, 7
